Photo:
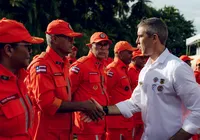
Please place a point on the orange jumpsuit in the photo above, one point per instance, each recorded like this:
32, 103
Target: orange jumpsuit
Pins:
197, 76
88, 80
119, 89
48, 85
16, 113
133, 74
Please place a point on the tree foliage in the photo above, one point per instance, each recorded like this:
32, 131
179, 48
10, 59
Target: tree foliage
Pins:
117, 18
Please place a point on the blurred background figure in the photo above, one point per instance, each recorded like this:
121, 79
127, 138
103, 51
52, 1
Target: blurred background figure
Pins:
119, 89
186, 59
197, 71
72, 56
137, 63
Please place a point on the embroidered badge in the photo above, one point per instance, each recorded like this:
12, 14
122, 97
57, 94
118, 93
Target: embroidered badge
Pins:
162, 81
160, 88
9, 98
102, 35
75, 69
3, 77
155, 79
95, 87
126, 88
41, 69
140, 83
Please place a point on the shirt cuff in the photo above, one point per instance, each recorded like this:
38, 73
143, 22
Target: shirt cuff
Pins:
124, 109
190, 127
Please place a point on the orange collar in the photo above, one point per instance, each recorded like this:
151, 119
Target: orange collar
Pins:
120, 63
94, 59
55, 57
6, 74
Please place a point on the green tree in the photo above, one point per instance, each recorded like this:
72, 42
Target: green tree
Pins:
179, 29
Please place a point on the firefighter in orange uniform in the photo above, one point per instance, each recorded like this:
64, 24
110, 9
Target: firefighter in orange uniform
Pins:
72, 56
88, 80
119, 89
137, 63
186, 59
197, 71
49, 85
16, 113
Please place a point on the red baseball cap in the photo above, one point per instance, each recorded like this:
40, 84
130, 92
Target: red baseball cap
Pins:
185, 58
98, 37
59, 26
123, 45
137, 53
12, 31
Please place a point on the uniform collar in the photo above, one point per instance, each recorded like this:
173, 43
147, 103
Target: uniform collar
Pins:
92, 56
160, 59
55, 57
131, 65
120, 63
6, 74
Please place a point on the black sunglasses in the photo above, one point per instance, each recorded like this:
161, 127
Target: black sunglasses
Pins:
27, 45
70, 39
198, 65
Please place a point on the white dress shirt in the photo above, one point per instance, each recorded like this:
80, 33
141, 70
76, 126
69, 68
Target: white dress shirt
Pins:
166, 90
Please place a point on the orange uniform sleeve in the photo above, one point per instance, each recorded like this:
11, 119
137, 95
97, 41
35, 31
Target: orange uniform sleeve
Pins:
75, 77
133, 77
43, 88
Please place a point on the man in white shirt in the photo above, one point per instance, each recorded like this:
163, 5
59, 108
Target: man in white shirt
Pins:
166, 89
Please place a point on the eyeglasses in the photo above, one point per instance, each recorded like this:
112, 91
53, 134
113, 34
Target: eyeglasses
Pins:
70, 39
27, 45
101, 45
198, 65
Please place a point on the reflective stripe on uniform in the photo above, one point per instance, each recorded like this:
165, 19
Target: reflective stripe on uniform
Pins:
26, 113
68, 89
31, 111
96, 137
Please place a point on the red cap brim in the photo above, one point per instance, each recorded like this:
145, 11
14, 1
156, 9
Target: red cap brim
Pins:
35, 40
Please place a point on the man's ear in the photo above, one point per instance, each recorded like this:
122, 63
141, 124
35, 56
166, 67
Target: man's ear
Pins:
155, 37
54, 39
8, 50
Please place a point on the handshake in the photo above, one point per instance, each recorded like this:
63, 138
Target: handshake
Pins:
92, 111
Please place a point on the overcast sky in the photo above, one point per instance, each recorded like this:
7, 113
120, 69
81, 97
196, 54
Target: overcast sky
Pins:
189, 8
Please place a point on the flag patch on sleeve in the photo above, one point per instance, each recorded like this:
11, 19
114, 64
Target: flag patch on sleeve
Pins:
41, 69
110, 73
75, 69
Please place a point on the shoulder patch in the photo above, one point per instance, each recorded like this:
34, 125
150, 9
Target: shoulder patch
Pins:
110, 73
41, 69
75, 69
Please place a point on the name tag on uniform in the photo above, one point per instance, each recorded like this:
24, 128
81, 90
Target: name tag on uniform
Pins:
58, 74
9, 98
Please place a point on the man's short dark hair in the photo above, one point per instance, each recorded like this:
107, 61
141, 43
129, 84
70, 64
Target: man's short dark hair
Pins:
155, 26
